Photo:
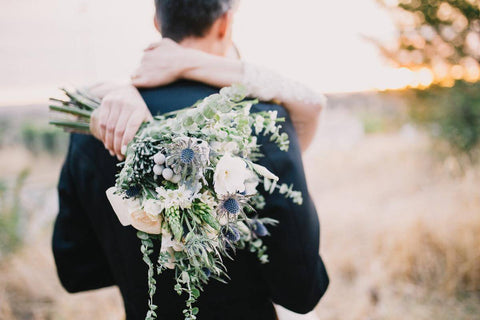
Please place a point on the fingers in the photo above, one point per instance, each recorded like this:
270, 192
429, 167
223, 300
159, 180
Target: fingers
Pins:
132, 127
94, 124
142, 81
98, 121
118, 119
119, 133
110, 129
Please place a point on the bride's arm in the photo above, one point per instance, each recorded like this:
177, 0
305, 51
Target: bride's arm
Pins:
167, 61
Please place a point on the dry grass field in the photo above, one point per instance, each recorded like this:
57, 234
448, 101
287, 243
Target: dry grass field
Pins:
400, 233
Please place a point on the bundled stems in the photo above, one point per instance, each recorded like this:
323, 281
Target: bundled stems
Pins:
80, 105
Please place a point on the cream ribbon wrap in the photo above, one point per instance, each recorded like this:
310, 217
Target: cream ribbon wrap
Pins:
129, 212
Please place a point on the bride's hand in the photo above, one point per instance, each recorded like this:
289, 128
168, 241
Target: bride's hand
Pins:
118, 118
163, 62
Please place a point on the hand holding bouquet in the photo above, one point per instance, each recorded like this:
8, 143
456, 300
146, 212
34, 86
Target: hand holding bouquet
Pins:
189, 181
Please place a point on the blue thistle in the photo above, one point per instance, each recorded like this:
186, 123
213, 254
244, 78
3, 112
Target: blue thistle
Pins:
231, 233
207, 272
259, 228
186, 156
133, 191
231, 205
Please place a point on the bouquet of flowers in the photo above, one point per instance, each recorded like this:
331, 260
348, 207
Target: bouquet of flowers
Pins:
189, 180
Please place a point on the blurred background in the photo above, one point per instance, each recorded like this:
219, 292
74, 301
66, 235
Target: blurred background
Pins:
393, 170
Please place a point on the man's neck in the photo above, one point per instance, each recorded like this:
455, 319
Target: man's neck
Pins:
203, 44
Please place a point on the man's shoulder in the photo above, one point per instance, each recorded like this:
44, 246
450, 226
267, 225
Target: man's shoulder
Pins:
177, 95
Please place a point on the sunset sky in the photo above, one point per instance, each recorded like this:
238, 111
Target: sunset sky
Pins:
49, 43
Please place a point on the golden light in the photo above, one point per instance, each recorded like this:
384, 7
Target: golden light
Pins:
457, 72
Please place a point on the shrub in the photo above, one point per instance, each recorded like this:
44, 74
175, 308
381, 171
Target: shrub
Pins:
451, 114
44, 138
12, 216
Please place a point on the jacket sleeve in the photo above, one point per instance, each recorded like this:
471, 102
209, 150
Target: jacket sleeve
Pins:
296, 275
79, 258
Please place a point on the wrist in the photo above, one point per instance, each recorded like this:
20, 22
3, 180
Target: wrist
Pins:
195, 61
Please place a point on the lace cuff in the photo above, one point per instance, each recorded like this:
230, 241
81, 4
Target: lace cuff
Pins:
267, 85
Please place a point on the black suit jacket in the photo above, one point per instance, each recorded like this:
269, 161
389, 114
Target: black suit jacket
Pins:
93, 250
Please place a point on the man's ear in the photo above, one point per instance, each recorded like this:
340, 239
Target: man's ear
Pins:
225, 24
156, 24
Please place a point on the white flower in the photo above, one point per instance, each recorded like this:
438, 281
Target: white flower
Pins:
152, 207
273, 115
230, 175
207, 198
271, 127
145, 222
261, 170
181, 197
225, 147
169, 242
230, 147
258, 124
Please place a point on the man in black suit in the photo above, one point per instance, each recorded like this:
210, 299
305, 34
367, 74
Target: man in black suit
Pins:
93, 250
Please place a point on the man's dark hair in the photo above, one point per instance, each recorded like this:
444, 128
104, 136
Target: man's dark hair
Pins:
180, 19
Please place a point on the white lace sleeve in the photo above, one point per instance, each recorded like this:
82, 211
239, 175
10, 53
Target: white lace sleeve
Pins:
267, 85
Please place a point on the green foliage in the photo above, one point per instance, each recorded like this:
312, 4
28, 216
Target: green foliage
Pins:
4, 128
11, 215
452, 114
41, 138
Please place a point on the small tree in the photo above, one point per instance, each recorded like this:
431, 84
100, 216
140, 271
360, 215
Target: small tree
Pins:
443, 35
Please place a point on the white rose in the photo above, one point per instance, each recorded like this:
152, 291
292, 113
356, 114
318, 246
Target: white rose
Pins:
230, 175
147, 223
152, 207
